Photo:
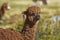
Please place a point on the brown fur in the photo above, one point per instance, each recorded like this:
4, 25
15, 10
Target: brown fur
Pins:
28, 31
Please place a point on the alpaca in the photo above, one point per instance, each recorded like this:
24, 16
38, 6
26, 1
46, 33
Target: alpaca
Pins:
31, 21
29, 28
4, 7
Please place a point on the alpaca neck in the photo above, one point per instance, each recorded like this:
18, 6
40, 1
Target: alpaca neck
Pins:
2, 9
29, 32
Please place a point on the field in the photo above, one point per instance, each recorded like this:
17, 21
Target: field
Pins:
48, 27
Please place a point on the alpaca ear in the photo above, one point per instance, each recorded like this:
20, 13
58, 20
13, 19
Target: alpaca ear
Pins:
24, 15
25, 12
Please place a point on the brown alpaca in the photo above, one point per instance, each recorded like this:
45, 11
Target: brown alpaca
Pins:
4, 7
29, 28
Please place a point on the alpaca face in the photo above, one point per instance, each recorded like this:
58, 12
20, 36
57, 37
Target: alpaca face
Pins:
32, 14
5, 6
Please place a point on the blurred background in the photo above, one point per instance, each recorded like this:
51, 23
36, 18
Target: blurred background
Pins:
49, 23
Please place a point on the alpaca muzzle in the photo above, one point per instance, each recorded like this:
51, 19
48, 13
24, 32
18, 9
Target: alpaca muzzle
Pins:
37, 17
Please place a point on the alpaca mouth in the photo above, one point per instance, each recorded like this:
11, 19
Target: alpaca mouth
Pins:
36, 18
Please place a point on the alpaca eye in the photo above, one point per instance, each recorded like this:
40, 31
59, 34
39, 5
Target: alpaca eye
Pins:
31, 14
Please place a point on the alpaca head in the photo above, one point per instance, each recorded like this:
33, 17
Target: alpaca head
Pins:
32, 14
5, 6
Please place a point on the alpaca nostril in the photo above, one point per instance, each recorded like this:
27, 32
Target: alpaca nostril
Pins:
37, 17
